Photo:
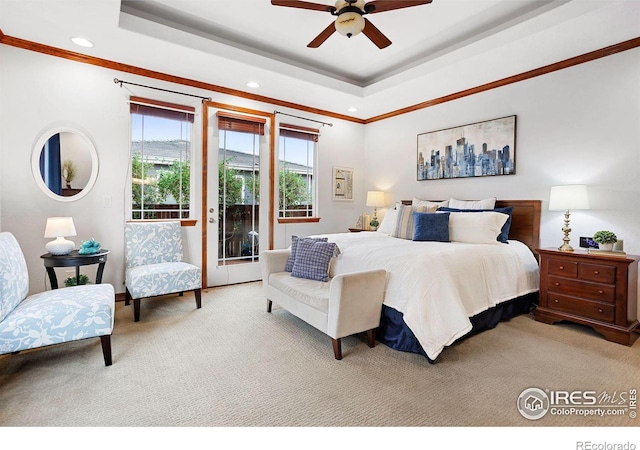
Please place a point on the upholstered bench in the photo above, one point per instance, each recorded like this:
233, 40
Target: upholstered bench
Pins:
50, 317
347, 304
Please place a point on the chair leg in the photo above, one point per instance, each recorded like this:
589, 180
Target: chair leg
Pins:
198, 293
269, 304
136, 309
180, 294
371, 337
127, 297
106, 349
337, 348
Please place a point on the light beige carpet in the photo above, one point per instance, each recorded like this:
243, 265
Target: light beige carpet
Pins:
232, 364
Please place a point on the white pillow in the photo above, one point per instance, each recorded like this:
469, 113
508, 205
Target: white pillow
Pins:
487, 203
388, 223
477, 228
429, 204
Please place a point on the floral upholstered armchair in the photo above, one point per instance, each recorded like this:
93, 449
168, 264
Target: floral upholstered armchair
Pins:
50, 317
154, 263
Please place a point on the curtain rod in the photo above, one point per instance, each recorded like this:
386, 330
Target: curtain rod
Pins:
121, 82
303, 118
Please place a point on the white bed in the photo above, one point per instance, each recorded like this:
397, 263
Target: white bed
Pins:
439, 288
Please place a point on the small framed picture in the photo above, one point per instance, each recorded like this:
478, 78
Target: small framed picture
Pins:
342, 184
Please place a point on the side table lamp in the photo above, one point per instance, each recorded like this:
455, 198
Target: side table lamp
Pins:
375, 199
59, 228
565, 198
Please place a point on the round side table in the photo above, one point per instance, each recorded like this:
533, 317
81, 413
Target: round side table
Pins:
76, 260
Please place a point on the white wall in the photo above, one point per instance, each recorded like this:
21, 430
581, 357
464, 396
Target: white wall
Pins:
577, 126
39, 91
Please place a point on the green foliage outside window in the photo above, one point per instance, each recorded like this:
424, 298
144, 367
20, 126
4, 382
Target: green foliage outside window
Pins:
142, 183
175, 181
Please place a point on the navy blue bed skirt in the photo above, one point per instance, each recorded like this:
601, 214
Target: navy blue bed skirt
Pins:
394, 333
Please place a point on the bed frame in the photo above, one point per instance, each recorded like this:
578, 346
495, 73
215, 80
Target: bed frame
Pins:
525, 220
525, 227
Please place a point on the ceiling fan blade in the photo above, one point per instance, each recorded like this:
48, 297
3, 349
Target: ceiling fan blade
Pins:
375, 35
377, 6
322, 36
303, 5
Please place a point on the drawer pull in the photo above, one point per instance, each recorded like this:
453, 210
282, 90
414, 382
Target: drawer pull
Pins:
600, 310
557, 301
556, 283
600, 292
596, 272
561, 267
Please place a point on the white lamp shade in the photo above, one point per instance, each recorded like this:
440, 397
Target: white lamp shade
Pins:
563, 198
375, 199
349, 24
59, 227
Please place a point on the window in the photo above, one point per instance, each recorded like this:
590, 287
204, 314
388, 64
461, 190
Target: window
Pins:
296, 173
160, 159
240, 139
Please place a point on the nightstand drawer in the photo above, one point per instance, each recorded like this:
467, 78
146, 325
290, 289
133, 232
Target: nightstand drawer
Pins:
597, 272
582, 308
591, 291
563, 268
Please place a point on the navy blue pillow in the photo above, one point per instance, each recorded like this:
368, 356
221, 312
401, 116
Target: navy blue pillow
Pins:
431, 227
504, 232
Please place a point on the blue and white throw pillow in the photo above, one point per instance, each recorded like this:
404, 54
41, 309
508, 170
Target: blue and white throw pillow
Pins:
294, 249
313, 259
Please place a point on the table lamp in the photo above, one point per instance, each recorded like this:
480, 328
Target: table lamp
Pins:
375, 199
59, 228
565, 198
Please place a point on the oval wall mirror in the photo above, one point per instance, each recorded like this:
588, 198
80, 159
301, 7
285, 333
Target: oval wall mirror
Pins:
64, 163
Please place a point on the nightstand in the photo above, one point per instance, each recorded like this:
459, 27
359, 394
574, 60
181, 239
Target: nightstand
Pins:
597, 291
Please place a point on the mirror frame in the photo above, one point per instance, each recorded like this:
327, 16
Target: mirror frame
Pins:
35, 162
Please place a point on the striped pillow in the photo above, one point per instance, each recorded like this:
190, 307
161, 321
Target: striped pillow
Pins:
404, 228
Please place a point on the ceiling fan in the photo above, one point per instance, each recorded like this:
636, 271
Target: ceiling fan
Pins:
349, 17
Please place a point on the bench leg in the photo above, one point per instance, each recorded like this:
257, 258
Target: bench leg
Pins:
127, 297
106, 349
337, 348
371, 338
198, 293
269, 304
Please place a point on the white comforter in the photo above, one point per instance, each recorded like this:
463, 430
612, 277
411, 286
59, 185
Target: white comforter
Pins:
438, 286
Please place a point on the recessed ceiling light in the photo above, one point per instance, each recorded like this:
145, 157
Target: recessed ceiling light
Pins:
82, 42
352, 109
253, 84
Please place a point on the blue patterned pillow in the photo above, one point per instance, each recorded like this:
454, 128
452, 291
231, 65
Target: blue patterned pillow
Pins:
431, 227
294, 250
313, 259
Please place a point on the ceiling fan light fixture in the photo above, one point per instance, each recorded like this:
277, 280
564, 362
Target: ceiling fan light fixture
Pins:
349, 24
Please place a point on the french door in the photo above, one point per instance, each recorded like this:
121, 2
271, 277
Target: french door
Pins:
237, 195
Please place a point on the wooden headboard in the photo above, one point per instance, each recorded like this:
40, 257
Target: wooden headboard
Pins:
525, 220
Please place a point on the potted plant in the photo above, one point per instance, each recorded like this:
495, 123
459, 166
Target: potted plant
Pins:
605, 239
374, 224
68, 172
71, 281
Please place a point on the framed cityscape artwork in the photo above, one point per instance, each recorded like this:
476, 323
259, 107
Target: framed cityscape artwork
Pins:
342, 183
475, 150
